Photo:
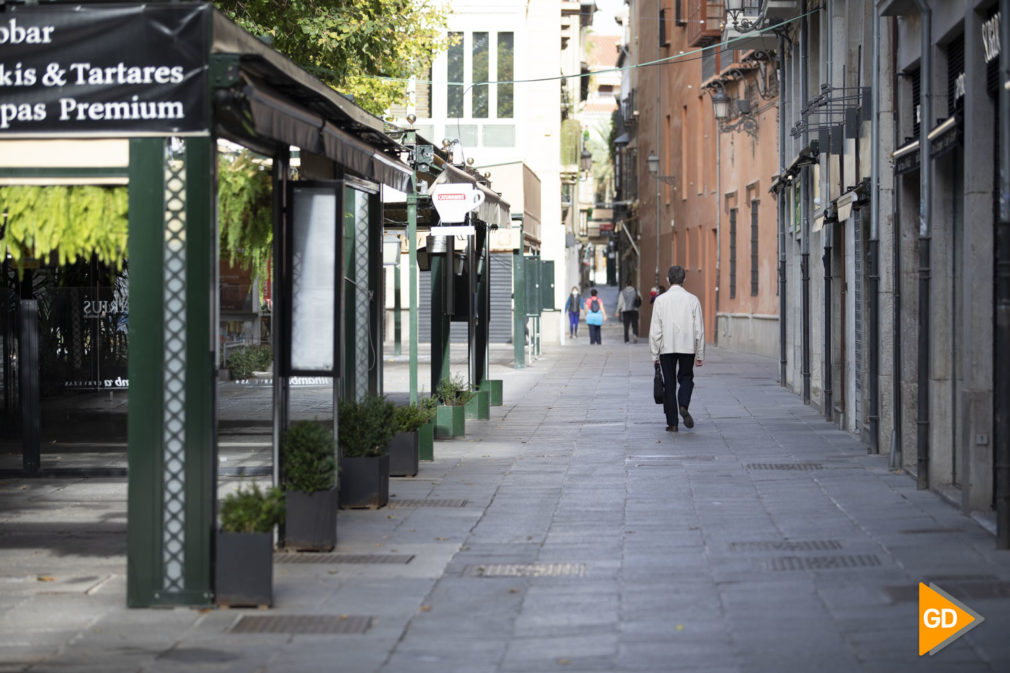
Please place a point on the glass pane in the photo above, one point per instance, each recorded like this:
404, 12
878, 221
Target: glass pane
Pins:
454, 100
506, 73
500, 136
480, 74
312, 293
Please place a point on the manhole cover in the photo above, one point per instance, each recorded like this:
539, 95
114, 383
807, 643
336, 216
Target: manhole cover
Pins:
426, 502
787, 545
303, 624
784, 466
344, 558
527, 570
822, 562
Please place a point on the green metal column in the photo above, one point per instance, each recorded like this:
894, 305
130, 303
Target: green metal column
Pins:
519, 307
171, 448
483, 269
376, 294
412, 279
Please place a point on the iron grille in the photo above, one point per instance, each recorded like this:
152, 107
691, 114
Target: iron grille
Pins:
754, 247
915, 79
303, 624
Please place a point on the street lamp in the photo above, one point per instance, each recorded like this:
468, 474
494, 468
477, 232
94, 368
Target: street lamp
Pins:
653, 163
720, 105
586, 161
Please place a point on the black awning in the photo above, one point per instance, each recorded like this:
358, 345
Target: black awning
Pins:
906, 158
947, 135
280, 120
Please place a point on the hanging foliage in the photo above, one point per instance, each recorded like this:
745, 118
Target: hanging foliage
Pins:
245, 216
72, 223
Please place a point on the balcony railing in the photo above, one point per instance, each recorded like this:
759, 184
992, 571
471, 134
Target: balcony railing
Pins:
704, 22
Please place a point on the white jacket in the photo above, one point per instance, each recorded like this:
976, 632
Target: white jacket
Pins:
677, 324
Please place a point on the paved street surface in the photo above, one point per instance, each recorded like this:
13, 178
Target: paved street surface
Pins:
568, 533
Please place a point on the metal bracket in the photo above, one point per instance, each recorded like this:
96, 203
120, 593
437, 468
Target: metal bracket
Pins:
224, 70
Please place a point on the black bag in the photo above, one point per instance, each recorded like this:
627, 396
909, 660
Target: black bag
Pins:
638, 301
658, 387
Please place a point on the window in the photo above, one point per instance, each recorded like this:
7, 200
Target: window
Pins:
754, 248
480, 73
684, 151
732, 253
454, 75
679, 13
506, 73
664, 34
423, 101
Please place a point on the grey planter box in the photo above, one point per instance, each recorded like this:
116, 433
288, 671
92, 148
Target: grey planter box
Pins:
403, 454
364, 482
310, 520
244, 571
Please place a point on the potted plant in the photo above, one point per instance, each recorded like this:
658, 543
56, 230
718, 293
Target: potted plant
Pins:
366, 428
403, 447
243, 574
308, 466
450, 420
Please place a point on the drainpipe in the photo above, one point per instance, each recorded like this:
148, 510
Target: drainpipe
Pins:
718, 228
925, 216
873, 254
896, 459
805, 233
1001, 371
783, 304
828, 228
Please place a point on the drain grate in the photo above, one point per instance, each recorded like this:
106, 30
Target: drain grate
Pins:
965, 591
426, 502
527, 570
787, 545
303, 624
784, 466
822, 562
344, 558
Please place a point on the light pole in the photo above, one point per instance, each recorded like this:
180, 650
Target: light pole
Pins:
653, 164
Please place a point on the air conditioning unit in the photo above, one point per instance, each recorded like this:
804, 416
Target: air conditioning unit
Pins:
780, 9
740, 34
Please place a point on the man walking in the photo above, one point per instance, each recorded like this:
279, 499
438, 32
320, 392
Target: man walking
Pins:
677, 341
628, 302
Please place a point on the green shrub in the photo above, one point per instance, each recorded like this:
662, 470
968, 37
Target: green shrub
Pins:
453, 391
242, 362
308, 460
366, 426
412, 416
252, 510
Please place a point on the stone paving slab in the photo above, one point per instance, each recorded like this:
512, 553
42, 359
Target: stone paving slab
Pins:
590, 540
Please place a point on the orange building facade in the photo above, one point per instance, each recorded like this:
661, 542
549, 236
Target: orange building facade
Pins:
703, 198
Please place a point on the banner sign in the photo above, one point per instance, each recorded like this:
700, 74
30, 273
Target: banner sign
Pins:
104, 70
454, 200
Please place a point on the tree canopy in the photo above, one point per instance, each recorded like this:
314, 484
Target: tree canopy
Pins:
350, 44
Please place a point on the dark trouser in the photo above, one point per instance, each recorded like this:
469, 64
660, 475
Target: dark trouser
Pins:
677, 367
594, 334
573, 323
630, 318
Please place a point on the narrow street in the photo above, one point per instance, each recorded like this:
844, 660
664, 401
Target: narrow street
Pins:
568, 533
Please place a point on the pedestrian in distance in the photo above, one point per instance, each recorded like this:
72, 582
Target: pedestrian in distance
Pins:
628, 301
596, 315
677, 342
573, 306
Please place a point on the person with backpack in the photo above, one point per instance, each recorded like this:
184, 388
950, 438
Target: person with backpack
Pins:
595, 316
628, 301
573, 307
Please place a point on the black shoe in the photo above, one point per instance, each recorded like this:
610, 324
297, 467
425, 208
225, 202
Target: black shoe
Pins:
671, 428
688, 421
